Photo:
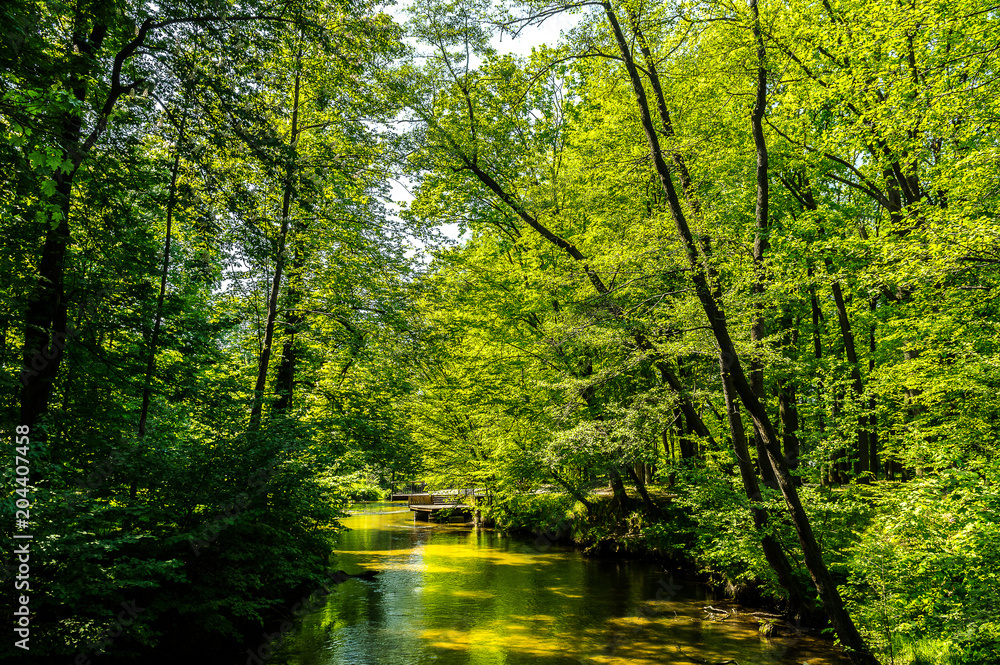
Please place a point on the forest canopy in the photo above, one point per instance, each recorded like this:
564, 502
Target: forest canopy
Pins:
736, 262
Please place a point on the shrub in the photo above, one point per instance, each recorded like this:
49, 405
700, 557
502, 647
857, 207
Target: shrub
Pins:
928, 568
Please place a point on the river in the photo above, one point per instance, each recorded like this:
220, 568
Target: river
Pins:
453, 595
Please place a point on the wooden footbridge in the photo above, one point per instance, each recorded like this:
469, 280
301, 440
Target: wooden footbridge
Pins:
425, 505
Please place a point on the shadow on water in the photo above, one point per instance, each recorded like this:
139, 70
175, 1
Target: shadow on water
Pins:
456, 596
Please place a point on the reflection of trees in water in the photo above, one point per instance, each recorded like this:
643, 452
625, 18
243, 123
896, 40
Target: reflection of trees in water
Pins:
455, 596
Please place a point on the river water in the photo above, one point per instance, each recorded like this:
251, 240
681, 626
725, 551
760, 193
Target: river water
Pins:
453, 595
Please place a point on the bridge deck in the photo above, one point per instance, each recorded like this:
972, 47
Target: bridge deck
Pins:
424, 505
430, 507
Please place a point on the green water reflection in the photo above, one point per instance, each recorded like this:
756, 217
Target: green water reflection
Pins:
458, 596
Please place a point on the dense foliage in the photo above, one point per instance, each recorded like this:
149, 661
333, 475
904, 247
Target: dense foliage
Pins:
803, 192
193, 226
735, 263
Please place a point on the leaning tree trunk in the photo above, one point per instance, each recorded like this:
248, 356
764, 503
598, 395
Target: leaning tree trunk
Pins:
760, 246
798, 600
640, 487
864, 447
843, 625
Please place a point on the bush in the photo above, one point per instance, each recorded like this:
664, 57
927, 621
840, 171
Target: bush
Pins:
357, 486
927, 570
537, 513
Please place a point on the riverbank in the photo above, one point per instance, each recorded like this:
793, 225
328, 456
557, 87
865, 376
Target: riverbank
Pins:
907, 557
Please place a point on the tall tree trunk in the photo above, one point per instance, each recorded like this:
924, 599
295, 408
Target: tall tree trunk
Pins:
817, 316
789, 416
841, 620
840, 467
285, 379
154, 338
817, 337
788, 413
861, 464
272, 303
684, 442
873, 459
760, 246
45, 321
45, 333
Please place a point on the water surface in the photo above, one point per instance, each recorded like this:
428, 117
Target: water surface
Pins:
453, 595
